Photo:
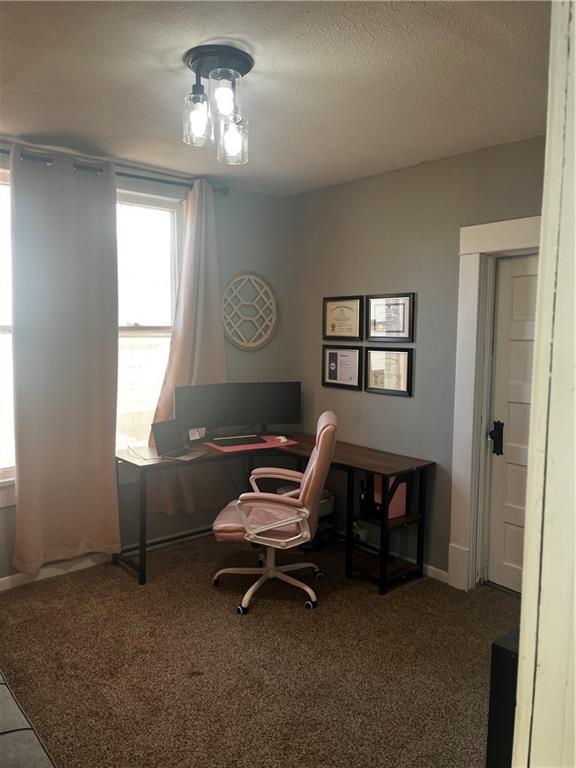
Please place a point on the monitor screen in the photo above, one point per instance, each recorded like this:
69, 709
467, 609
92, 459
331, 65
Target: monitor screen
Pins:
241, 404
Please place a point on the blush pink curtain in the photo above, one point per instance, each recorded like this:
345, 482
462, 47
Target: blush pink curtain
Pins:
197, 354
65, 336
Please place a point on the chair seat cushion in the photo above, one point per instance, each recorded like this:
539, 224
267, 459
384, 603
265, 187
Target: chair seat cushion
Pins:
228, 525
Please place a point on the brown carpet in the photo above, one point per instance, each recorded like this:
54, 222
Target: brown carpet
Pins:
120, 676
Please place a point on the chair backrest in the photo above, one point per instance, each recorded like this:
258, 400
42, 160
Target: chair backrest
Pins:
318, 465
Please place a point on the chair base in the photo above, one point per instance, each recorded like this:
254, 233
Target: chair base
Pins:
271, 571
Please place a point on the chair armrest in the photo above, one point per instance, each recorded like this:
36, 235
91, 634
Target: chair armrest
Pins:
270, 498
289, 474
275, 473
300, 514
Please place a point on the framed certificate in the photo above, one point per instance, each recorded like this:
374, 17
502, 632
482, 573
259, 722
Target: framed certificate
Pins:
342, 367
389, 371
342, 318
390, 317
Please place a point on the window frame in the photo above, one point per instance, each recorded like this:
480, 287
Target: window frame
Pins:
7, 474
158, 196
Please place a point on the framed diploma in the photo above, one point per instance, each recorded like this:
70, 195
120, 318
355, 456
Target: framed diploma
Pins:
390, 317
342, 367
342, 318
389, 371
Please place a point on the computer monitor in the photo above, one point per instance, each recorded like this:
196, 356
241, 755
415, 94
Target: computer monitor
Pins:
238, 404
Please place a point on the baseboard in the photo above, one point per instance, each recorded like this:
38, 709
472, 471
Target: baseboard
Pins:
459, 567
429, 570
53, 569
171, 539
436, 573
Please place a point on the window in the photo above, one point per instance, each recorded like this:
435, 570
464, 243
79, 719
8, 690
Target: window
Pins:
147, 273
6, 386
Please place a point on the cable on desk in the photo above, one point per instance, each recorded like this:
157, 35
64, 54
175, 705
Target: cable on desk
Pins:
142, 458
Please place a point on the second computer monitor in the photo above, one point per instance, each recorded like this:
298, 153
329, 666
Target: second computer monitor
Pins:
237, 404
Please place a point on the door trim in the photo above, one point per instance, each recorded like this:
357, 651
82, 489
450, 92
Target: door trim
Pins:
480, 246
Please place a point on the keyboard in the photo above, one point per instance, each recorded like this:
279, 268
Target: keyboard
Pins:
248, 440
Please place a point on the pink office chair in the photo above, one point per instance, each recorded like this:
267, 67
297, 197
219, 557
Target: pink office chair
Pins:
280, 521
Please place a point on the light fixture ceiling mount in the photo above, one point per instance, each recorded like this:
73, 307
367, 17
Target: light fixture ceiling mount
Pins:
203, 59
223, 66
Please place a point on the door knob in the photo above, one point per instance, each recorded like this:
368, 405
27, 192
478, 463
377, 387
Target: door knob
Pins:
496, 434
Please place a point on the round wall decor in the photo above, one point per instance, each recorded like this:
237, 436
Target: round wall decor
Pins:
249, 311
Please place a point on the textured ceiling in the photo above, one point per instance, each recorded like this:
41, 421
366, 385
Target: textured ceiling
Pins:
339, 90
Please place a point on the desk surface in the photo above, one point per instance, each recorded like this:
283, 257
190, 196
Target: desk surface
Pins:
346, 455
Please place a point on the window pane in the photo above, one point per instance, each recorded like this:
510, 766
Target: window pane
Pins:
5, 258
6, 402
144, 265
141, 365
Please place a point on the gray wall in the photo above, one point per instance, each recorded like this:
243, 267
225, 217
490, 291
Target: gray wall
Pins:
400, 232
256, 233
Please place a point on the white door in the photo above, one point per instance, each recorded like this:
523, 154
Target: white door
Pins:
516, 280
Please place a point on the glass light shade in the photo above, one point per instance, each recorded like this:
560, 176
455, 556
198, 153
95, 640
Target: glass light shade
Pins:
225, 92
233, 141
197, 126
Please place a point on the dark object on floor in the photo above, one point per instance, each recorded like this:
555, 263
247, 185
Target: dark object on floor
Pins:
20, 746
503, 677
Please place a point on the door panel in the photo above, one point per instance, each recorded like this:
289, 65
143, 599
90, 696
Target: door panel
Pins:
516, 281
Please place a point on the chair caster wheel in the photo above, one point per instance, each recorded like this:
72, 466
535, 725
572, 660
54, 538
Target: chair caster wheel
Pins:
310, 604
318, 575
216, 581
241, 611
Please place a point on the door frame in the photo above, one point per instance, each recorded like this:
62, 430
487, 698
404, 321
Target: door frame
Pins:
480, 247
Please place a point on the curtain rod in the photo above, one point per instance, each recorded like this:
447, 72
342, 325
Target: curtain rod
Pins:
140, 171
176, 181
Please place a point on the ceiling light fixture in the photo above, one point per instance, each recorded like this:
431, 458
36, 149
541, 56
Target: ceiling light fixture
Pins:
218, 113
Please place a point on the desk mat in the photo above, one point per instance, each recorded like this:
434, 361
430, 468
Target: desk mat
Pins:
271, 442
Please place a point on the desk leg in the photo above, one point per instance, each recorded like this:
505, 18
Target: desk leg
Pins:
349, 522
142, 521
116, 555
384, 538
422, 513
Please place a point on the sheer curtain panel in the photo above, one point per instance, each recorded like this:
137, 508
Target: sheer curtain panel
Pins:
197, 353
65, 335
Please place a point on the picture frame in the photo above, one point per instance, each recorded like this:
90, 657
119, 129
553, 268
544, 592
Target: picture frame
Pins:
388, 370
390, 317
342, 318
342, 367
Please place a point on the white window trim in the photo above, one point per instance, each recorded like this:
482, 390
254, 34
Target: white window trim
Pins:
158, 196
7, 474
479, 246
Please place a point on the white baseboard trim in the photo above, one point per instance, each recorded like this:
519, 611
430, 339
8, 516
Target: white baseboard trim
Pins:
162, 542
54, 569
436, 573
459, 567
429, 570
